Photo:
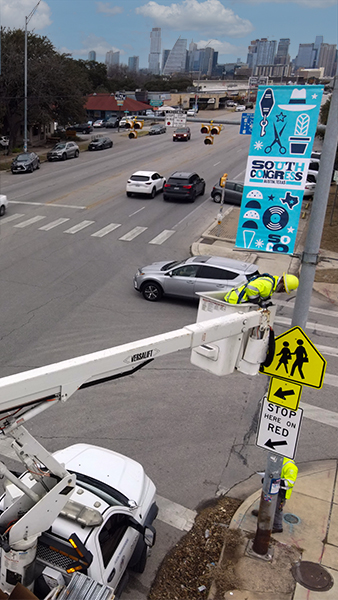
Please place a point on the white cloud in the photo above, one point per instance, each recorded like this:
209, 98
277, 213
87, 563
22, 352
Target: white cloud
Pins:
208, 16
13, 13
308, 3
108, 9
220, 47
93, 42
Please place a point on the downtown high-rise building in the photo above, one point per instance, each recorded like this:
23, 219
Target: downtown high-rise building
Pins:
112, 58
176, 61
155, 51
92, 55
261, 52
133, 64
308, 54
327, 59
282, 56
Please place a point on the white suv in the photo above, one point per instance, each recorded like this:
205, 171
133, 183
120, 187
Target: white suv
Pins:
145, 182
3, 204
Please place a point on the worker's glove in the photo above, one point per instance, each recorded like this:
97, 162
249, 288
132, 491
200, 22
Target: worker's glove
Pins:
265, 303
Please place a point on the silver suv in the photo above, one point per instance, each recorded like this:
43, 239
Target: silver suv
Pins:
194, 274
63, 150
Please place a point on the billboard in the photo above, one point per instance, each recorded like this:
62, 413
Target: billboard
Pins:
283, 131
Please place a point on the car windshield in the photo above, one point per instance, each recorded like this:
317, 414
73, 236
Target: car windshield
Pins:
171, 265
23, 158
156, 126
139, 178
59, 147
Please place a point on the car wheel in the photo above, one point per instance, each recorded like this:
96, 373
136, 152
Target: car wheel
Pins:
152, 291
203, 190
31, 169
76, 153
111, 145
64, 156
38, 165
165, 197
217, 198
2, 210
193, 197
129, 194
49, 160
153, 192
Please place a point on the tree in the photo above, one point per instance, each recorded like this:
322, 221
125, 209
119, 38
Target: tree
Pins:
56, 84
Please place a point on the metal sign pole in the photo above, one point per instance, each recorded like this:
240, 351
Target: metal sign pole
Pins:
268, 503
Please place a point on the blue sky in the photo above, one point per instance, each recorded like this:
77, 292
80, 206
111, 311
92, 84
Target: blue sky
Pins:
77, 26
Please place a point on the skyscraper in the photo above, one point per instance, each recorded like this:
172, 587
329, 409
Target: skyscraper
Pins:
155, 50
133, 63
261, 52
282, 57
92, 55
176, 61
326, 58
308, 54
112, 58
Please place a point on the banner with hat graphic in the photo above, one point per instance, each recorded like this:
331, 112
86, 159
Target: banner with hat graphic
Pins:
283, 132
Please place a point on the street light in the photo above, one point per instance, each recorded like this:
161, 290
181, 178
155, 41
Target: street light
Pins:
27, 19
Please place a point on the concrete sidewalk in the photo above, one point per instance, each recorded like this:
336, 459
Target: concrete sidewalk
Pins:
310, 533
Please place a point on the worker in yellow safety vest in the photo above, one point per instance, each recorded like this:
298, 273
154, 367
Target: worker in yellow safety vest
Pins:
260, 288
288, 479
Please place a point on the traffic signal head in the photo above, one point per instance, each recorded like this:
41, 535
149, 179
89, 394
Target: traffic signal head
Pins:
138, 124
132, 135
129, 124
216, 129
205, 128
209, 140
223, 179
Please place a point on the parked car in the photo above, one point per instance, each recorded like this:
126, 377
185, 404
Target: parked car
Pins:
63, 150
123, 122
111, 123
183, 133
184, 186
99, 123
314, 166
192, 112
195, 274
3, 204
249, 105
26, 162
240, 108
231, 103
100, 144
310, 186
80, 128
157, 129
232, 192
145, 182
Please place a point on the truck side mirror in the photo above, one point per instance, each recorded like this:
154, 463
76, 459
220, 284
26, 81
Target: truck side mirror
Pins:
149, 536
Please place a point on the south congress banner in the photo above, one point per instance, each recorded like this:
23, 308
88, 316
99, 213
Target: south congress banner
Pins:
283, 131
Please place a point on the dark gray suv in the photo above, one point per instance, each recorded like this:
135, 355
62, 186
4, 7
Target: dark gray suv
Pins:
185, 186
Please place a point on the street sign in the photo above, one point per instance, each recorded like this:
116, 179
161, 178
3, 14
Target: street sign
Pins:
278, 429
156, 102
285, 393
246, 123
175, 119
297, 359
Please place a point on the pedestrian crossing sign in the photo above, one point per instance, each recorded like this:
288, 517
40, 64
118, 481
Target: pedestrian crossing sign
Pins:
297, 359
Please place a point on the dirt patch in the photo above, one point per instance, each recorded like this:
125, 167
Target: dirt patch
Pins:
190, 567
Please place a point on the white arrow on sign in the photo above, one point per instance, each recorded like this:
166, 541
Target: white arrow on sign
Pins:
279, 428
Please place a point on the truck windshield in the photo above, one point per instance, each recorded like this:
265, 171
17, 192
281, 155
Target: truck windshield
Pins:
110, 495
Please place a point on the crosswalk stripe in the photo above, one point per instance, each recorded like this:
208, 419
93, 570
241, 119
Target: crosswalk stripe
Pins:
106, 230
132, 234
11, 218
314, 309
330, 351
79, 226
53, 224
319, 414
331, 379
175, 514
29, 222
162, 237
314, 326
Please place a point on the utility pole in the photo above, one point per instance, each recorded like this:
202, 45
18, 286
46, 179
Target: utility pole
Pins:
25, 139
310, 255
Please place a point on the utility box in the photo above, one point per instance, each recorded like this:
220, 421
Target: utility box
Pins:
244, 351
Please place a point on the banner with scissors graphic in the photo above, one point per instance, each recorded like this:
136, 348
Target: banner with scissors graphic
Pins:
283, 131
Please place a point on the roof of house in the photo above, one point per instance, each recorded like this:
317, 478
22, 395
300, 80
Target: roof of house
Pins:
108, 102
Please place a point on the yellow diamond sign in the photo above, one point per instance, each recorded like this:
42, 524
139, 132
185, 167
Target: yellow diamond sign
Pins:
297, 359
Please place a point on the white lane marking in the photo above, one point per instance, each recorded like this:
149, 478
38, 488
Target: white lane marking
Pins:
105, 230
47, 204
133, 234
53, 224
331, 379
314, 326
319, 414
314, 309
79, 226
192, 212
29, 222
175, 514
327, 350
218, 163
162, 237
11, 218
136, 211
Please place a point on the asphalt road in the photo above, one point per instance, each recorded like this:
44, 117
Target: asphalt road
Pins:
66, 292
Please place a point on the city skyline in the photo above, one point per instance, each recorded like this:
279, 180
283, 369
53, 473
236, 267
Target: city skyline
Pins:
80, 26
